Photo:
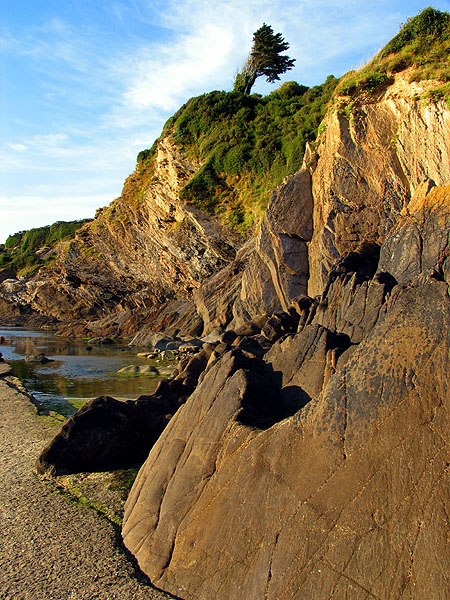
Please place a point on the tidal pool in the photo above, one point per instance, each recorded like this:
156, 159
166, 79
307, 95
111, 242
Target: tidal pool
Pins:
78, 371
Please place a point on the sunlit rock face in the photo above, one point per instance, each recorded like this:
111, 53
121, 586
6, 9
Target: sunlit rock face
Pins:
369, 166
309, 456
321, 469
144, 249
351, 190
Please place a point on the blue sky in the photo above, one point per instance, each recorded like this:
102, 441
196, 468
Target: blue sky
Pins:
87, 84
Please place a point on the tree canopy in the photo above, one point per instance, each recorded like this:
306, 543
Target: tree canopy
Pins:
265, 59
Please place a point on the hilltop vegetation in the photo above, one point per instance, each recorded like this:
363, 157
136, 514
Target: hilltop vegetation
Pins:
247, 144
423, 44
24, 252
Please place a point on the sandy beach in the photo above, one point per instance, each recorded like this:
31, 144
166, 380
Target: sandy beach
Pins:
52, 548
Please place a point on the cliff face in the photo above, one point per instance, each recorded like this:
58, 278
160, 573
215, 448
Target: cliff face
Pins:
351, 190
322, 469
304, 451
145, 248
150, 261
307, 455
369, 166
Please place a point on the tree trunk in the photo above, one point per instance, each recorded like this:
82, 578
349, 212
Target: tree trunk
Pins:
250, 82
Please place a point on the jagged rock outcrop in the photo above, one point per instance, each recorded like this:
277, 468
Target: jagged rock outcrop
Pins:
369, 165
149, 258
281, 255
342, 491
307, 451
350, 192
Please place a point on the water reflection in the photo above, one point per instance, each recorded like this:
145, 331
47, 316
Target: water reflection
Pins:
77, 371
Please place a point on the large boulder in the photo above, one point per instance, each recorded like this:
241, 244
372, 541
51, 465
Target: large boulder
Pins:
344, 490
107, 434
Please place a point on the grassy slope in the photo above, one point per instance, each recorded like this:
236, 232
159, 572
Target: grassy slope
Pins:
247, 145
24, 252
422, 45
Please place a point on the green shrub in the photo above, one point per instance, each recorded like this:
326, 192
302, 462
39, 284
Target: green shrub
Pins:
420, 32
289, 89
148, 153
198, 190
439, 93
245, 139
367, 81
13, 240
20, 254
423, 44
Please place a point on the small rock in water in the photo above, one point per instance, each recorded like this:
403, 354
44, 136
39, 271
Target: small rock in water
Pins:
148, 370
188, 349
38, 358
130, 369
139, 370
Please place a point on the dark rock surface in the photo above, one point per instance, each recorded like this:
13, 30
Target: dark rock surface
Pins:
107, 434
101, 341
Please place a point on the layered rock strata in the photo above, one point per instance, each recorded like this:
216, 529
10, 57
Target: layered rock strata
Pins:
144, 249
354, 183
150, 261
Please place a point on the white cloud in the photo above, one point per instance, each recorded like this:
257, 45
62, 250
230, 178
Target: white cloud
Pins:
57, 42
159, 81
212, 40
17, 147
38, 203
62, 152
49, 140
209, 42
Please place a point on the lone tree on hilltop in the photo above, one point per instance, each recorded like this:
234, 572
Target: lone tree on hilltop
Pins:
265, 59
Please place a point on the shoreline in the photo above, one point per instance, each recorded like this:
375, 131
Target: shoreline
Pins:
52, 547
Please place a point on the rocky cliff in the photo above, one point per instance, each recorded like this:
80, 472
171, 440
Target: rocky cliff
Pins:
320, 470
354, 183
308, 456
153, 261
143, 249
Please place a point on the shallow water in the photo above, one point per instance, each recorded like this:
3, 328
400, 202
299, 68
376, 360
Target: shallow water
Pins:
76, 373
